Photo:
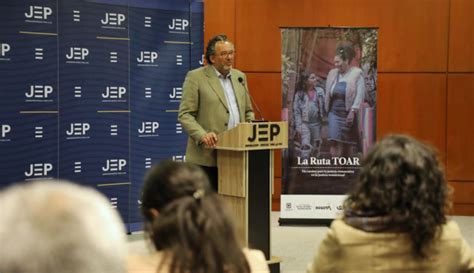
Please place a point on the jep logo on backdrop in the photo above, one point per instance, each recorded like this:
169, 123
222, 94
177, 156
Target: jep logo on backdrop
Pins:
38, 14
78, 130
38, 170
179, 26
4, 49
148, 129
201, 61
176, 94
147, 58
114, 94
77, 55
39, 93
114, 166
5, 129
178, 158
113, 20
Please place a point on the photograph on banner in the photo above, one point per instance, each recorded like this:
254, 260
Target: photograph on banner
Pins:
329, 85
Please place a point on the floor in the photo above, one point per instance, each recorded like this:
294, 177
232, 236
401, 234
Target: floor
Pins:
296, 245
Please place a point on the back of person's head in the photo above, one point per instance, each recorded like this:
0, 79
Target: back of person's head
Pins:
189, 222
57, 226
402, 179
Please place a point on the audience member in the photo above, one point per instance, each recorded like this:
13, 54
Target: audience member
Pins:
395, 217
59, 227
189, 226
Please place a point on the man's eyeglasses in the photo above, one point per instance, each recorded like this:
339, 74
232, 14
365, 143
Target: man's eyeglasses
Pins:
227, 53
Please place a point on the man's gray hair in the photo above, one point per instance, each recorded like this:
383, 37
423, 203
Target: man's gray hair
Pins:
58, 227
211, 46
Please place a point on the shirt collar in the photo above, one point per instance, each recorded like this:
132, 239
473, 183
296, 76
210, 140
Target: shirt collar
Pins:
219, 74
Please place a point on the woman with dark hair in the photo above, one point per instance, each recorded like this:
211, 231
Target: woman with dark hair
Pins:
308, 113
394, 218
345, 91
189, 226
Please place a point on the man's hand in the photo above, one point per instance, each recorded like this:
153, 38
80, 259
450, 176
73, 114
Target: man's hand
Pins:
209, 140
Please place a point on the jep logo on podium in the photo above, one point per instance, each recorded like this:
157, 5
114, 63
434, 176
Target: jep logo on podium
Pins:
264, 132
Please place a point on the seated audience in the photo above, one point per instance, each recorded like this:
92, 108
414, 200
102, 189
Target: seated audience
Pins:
395, 217
59, 227
189, 226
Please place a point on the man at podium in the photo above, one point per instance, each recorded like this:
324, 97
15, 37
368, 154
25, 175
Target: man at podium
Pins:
215, 99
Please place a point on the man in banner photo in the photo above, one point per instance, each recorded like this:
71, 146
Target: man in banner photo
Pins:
214, 99
329, 86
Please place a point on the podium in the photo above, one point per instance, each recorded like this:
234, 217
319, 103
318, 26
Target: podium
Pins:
245, 162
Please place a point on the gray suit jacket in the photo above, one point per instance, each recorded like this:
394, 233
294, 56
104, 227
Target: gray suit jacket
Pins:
204, 109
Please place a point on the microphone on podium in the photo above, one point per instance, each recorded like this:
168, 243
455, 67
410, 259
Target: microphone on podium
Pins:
241, 80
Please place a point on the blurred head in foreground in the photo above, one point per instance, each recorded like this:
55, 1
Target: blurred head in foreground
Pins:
57, 226
189, 222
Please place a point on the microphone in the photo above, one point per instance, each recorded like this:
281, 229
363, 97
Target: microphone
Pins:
241, 80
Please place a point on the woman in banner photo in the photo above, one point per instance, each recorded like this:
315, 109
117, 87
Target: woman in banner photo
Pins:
345, 90
395, 217
308, 109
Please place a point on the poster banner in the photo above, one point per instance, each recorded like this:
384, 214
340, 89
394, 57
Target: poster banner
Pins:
329, 86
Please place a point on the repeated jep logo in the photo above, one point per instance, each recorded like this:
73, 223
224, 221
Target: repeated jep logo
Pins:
114, 166
38, 14
113, 20
39, 93
114, 202
179, 158
37, 170
179, 25
176, 94
148, 129
148, 162
114, 94
201, 61
4, 49
147, 58
77, 55
5, 129
78, 130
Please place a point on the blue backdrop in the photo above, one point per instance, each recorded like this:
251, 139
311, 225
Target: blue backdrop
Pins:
89, 91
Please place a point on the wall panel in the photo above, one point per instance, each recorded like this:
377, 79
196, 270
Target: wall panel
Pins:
410, 38
461, 38
463, 191
414, 104
460, 149
219, 18
265, 89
